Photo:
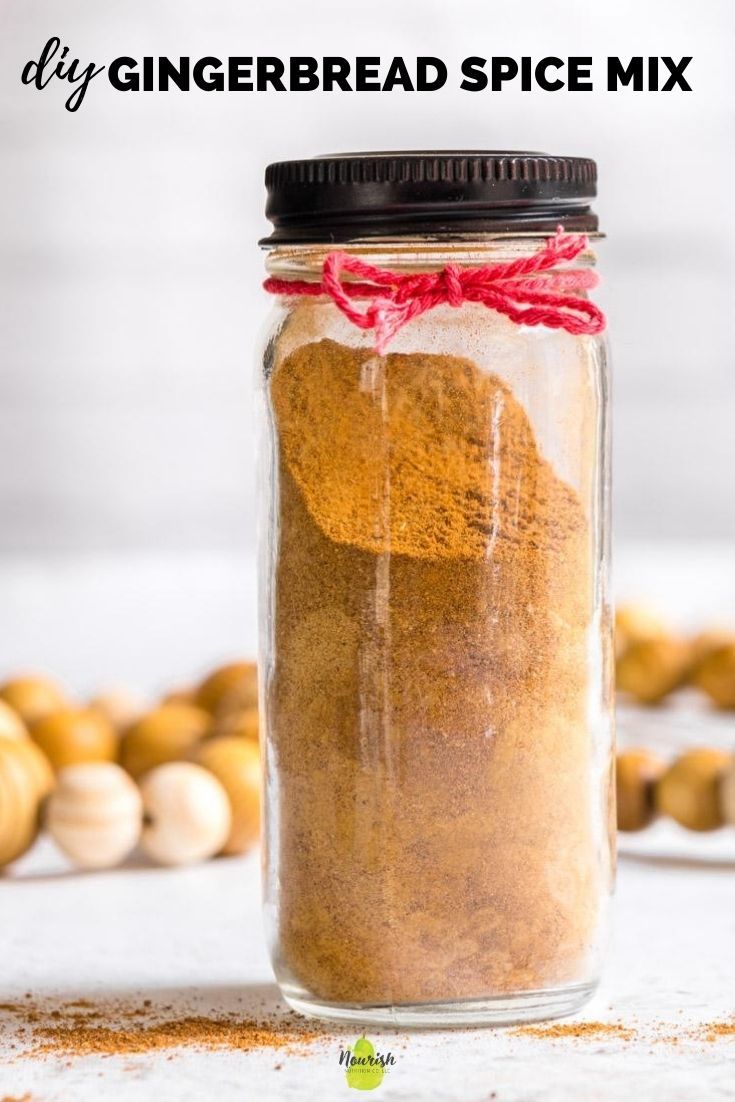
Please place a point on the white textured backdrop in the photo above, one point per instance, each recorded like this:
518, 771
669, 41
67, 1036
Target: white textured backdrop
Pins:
129, 272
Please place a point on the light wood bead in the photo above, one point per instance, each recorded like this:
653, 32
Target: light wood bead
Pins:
187, 815
120, 706
95, 814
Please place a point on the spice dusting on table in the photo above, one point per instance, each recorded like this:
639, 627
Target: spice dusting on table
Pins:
656, 1032
194, 1032
717, 1031
578, 1031
85, 1028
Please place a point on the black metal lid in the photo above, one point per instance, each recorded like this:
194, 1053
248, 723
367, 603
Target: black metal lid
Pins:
357, 195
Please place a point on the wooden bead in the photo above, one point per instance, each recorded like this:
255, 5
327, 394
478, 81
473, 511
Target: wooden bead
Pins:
179, 696
25, 778
38, 766
75, 735
652, 668
689, 790
715, 675
19, 805
120, 706
727, 794
11, 725
187, 814
230, 688
243, 724
166, 734
95, 814
33, 697
704, 645
636, 773
635, 623
235, 762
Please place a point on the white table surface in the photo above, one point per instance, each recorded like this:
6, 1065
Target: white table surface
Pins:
192, 939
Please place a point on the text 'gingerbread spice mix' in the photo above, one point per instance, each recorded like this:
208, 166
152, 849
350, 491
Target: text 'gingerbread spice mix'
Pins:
435, 628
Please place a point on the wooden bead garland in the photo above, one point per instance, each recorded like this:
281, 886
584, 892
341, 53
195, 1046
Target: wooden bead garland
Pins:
187, 788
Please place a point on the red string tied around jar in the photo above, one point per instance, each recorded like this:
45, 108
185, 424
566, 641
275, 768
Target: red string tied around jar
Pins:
532, 290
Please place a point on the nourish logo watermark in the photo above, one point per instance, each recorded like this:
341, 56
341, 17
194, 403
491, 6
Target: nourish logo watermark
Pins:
365, 1068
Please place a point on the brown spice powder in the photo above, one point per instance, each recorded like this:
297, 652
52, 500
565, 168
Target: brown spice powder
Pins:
85, 1028
54, 1029
718, 1031
427, 703
577, 1031
241, 1035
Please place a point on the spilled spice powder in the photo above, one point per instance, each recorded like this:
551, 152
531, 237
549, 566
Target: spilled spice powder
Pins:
718, 1031
241, 1035
576, 1031
649, 1032
85, 1028
438, 827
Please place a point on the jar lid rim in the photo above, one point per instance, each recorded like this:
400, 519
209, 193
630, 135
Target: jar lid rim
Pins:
343, 197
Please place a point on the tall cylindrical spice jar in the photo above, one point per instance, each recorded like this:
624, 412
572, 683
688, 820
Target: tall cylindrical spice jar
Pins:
435, 626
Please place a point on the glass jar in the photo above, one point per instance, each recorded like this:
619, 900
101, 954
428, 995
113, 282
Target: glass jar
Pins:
435, 626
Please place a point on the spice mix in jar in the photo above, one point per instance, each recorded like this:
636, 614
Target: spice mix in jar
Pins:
435, 626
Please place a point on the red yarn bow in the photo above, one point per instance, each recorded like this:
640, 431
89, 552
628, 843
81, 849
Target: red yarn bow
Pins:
529, 291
